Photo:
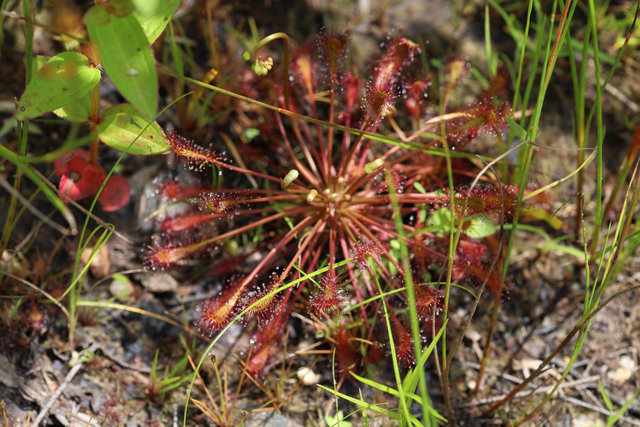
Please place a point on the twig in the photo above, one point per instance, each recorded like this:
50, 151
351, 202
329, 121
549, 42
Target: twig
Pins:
493, 372
142, 370
63, 230
526, 392
617, 93
577, 402
175, 415
557, 350
539, 390
72, 373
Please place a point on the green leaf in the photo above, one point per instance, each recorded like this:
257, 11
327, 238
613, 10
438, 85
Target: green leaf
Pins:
517, 129
154, 21
122, 278
78, 111
145, 6
59, 81
337, 420
480, 229
372, 383
439, 221
605, 396
410, 382
122, 123
38, 62
168, 381
125, 53
154, 366
613, 418
362, 403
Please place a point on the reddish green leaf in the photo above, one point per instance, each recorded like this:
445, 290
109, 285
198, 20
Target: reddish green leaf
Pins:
125, 54
153, 22
59, 81
102, 15
122, 123
78, 111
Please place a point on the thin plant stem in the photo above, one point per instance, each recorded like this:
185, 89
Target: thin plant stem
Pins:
94, 118
268, 39
3, 7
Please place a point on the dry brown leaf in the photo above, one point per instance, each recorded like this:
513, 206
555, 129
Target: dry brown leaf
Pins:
100, 264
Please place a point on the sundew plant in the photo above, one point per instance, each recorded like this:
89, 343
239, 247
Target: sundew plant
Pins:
321, 185
349, 220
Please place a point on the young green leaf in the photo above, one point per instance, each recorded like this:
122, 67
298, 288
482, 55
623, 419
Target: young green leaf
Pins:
605, 396
613, 418
122, 123
153, 22
57, 82
125, 54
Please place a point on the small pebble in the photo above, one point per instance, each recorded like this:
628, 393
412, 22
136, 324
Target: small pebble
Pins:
308, 377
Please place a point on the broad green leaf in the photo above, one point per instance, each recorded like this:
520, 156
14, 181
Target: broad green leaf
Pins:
125, 54
38, 62
146, 7
59, 81
122, 123
102, 15
154, 21
78, 111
